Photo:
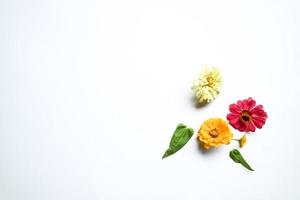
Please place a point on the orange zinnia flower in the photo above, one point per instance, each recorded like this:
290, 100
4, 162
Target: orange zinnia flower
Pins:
214, 132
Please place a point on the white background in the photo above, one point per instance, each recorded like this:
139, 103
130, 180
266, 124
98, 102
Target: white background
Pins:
91, 92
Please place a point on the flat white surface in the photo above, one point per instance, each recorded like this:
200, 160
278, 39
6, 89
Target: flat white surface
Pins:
91, 92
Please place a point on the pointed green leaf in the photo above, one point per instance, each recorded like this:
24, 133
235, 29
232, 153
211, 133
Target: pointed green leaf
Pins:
237, 157
181, 136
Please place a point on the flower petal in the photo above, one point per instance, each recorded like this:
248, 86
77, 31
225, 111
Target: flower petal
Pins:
257, 109
251, 103
233, 118
258, 123
250, 126
260, 114
245, 104
240, 104
235, 108
240, 126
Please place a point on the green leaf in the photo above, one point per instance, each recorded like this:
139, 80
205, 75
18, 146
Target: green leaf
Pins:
237, 157
181, 136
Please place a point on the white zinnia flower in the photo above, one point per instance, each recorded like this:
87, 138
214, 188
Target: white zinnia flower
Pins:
207, 86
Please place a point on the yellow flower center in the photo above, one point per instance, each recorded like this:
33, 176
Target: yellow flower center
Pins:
245, 117
214, 133
210, 80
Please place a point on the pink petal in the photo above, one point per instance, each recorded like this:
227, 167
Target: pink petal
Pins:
234, 108
258, 123
240, 126
251, 103
260, 114
250, 126
259, 118
240, 104
257, 108
245, 104
233, 118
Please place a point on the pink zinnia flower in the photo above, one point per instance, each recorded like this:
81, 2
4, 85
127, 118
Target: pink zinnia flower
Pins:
245, 116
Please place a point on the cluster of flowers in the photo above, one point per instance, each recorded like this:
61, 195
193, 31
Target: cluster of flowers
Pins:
244, 115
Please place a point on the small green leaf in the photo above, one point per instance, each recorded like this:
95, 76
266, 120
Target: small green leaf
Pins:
181, 136
237, 157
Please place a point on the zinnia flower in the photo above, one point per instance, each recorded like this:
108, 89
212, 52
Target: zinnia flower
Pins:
214, 132
207, 86
245, 116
